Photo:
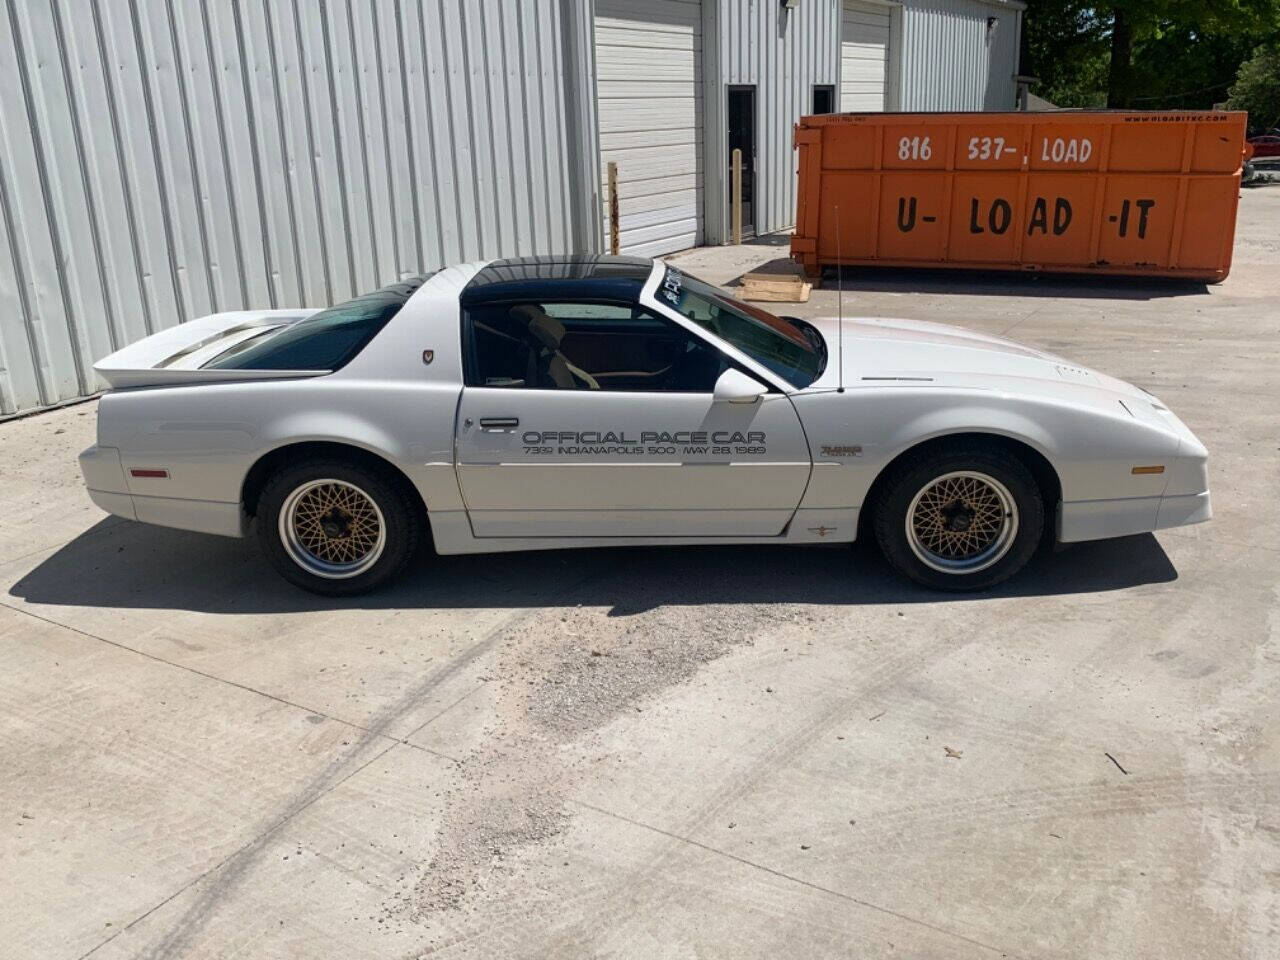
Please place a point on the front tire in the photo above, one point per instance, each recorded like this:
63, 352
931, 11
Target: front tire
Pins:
336, 528
964, 517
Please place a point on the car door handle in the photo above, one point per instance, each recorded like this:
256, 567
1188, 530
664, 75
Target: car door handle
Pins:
499, 423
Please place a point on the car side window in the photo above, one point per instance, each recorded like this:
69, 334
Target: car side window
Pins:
574, 345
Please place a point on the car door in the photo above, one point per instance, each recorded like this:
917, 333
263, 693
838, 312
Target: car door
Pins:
598, 420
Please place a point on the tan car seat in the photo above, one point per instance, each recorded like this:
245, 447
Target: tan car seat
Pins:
545, 334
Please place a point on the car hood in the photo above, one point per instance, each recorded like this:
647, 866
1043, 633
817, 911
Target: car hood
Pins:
885, 351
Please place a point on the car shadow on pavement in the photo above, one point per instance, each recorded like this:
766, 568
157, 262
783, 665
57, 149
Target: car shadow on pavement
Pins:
978, 283
132, 565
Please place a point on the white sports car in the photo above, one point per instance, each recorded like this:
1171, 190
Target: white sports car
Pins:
535, 403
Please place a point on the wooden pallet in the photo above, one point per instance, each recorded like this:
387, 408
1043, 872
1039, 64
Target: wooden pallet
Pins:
775, 288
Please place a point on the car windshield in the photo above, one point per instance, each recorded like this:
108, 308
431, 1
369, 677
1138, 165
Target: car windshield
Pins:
792, 349
327, 340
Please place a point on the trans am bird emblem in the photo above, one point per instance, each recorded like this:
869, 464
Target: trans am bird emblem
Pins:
822, 531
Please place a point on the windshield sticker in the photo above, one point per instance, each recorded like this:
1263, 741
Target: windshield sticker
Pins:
646, 443
672, 287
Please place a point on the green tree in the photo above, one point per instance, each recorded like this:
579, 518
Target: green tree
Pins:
1065, 45
1186, 69
1148, 54
1135, 22
1257, 88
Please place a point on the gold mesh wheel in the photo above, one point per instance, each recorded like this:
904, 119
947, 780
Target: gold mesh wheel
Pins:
332, 529
962, 522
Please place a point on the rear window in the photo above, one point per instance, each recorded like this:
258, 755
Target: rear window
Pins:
327, 340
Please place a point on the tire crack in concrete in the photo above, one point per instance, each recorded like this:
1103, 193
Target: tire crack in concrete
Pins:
849, 898
230, 872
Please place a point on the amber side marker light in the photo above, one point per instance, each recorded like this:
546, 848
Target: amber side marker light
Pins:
1141, 470
163, 474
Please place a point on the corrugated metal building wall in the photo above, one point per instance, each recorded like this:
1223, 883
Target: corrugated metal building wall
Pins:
944, 56
783, 53
951, 59
162, 160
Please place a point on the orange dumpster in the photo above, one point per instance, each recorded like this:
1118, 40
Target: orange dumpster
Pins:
1141, 194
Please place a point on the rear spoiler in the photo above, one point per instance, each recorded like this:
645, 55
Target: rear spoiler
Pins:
176, 355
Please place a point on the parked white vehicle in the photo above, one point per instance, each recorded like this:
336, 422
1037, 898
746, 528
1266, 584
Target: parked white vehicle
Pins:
601, 401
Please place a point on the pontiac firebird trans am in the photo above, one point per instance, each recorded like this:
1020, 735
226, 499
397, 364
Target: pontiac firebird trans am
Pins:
601, 401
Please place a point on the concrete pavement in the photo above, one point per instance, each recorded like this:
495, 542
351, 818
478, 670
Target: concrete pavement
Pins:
671, 753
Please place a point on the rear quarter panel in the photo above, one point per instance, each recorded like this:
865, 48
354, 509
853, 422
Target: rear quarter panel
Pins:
208, 437
387, 400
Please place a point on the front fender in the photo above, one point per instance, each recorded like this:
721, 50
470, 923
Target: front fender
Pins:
1091, 449
971, 417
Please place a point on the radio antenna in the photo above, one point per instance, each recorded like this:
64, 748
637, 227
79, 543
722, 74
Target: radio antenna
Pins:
839, 308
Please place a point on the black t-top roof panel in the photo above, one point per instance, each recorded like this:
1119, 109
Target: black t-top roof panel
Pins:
574, 276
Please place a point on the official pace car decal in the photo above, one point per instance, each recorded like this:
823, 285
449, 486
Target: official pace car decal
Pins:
646, 443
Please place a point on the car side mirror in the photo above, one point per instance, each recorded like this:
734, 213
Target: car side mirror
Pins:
734, 386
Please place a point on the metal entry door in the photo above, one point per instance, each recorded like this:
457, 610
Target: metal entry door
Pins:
742, 136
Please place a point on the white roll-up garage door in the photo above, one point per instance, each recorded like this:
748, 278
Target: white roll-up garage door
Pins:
864, 56
649, 85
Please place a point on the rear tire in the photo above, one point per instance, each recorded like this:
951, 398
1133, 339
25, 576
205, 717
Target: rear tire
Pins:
336, 528
964, 517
